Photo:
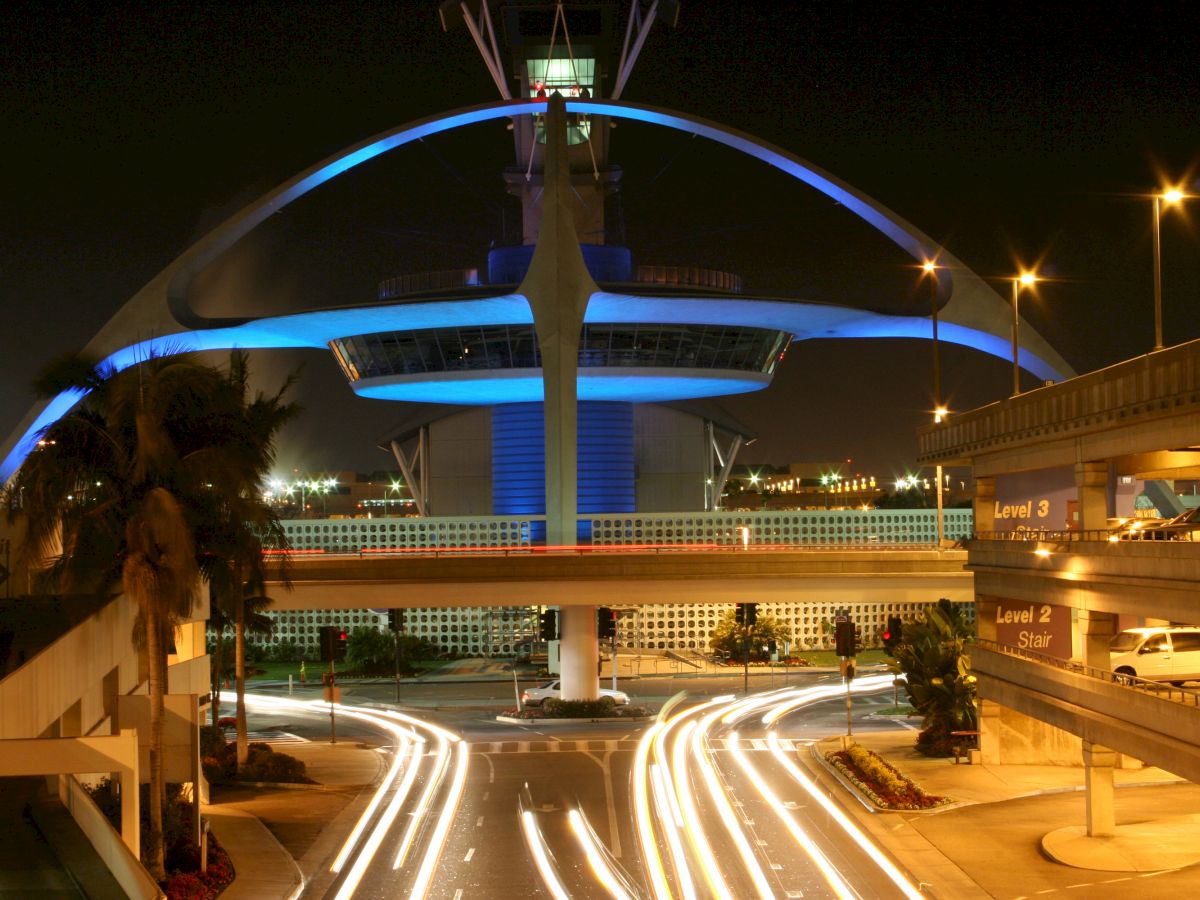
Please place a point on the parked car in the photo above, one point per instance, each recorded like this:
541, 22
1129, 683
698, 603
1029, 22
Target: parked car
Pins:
1157, 654
1182, 527
1131, 529
553, 690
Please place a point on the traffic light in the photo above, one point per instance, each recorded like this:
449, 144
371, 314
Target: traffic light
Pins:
858, 640
843, 635
333, 643
396, 619
739, 613
548, 625
606, 623
892, 635
751, 613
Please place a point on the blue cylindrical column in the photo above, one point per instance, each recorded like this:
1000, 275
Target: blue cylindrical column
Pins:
605, 457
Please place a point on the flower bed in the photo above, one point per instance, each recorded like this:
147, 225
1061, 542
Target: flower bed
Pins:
880, 782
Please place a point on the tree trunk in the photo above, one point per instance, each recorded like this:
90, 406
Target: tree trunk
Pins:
243, 743
153, 840
217, 670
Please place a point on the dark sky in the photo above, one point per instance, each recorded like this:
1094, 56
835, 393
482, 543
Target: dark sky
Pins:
1010, 132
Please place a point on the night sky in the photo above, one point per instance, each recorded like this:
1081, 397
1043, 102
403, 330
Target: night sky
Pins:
1012, 134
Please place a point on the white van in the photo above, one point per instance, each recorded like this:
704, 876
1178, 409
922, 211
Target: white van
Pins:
1164, 653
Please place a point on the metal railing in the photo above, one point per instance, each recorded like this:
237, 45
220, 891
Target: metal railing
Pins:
1161, 690
877, 529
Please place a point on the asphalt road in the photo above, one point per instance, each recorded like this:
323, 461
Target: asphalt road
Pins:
551, 769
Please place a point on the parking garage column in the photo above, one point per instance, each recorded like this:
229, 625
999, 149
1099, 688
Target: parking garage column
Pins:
989, 710
579, 653
1098, 765
985, 504
1091, 480
1095, 631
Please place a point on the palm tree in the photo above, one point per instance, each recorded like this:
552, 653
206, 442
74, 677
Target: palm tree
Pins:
235, 525
105, 500
151, 480
938, 679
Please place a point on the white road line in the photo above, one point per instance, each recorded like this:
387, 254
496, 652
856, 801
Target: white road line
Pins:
479, 822
470, 853
458, 894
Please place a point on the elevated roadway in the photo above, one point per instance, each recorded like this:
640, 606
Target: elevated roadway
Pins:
1154, 723
614, 576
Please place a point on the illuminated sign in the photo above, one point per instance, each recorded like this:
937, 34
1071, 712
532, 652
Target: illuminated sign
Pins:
1040, 627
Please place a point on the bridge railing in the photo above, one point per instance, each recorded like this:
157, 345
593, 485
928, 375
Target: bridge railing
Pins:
1162, 690
842, 529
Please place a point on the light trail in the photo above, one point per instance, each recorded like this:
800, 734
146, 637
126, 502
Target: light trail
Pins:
852, 830
438, 842
541, 856
410, 758
775, 803
595, 856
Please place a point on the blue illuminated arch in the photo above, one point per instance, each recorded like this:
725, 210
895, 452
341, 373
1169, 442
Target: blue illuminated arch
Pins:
973, 313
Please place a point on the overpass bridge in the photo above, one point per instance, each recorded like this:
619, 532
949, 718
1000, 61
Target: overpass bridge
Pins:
472, 581
620, 576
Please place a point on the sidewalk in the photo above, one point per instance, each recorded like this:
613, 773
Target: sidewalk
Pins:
266, 868
991, 840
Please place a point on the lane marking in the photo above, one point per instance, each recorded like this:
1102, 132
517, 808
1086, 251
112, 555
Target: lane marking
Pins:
470, 853
479, 822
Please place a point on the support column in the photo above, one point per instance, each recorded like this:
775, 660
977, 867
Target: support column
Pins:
1098, 764
1096, 630
989, 710
558, 288
985, 504
579, 652
1091, 480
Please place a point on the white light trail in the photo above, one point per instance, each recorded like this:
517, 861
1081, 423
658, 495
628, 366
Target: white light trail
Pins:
403, 748
596, 858
537, 846
438, 842
855, 834
720, 799
775, 803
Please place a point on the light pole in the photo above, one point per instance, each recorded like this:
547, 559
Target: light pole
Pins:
939, 412
1170, 197
1025, 279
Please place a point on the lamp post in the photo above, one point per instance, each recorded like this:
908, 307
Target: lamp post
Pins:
1169, 197
939, 412
1025, 279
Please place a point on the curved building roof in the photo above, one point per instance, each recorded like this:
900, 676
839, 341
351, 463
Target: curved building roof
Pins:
973, 313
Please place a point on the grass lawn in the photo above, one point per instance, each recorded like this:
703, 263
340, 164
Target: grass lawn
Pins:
279, 671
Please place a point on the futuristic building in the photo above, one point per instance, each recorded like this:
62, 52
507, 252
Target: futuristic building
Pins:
552, 355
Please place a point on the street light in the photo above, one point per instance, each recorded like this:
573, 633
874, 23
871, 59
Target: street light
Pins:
1025, 279
1170, 198
939, 412
930, 268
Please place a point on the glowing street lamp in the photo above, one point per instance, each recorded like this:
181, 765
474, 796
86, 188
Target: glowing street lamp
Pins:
1025, 279
930, 268
1169, 198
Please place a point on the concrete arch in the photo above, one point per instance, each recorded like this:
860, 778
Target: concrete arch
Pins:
159, 312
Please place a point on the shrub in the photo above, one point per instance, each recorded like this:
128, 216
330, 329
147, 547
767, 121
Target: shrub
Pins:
879, 781
604, 707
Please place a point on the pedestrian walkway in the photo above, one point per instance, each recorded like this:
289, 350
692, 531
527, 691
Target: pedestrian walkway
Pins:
990, 840
266, 868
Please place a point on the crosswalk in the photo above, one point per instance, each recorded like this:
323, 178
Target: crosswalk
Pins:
605, 746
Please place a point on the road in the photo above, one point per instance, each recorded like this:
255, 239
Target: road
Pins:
522, 785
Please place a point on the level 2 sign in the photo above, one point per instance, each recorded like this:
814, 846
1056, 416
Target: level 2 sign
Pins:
1040, 627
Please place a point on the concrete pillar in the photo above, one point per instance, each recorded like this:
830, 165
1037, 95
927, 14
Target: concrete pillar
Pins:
985, 504
1091, 480
989, 732
1095, 632
1098, 780
989, 710
558, 288
579, 651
